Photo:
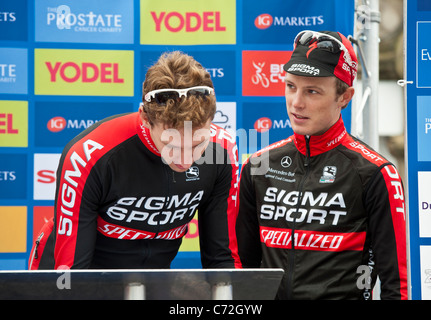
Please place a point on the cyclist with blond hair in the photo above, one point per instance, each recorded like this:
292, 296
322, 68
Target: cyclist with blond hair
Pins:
128, 186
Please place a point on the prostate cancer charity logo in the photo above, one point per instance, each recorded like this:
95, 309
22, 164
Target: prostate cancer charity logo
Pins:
185, 22
84, 21
84, 72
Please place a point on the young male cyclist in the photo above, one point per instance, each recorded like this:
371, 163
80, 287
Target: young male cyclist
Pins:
329, 210
128, 186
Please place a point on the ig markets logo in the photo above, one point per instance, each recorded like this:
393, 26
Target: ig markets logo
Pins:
263, 124
263, 21
56, 124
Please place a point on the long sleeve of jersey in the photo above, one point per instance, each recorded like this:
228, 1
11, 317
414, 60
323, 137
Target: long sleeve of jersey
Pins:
385, 204
219, 246
249, 247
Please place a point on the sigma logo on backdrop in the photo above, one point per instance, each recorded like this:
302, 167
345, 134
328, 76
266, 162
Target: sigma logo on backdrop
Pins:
45, 169
56, 123
84, 21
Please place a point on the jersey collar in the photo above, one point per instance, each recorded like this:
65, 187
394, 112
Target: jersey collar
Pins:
145, 136
320, 144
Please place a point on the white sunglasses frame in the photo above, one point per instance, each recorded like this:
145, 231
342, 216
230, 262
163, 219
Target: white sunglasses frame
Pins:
319, 34
181, 92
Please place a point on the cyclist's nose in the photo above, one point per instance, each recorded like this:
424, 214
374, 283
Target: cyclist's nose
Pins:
298, 100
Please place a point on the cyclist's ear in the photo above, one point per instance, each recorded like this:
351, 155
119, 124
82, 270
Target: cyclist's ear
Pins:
144, 117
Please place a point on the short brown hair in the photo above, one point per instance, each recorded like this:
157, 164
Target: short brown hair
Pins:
177, 70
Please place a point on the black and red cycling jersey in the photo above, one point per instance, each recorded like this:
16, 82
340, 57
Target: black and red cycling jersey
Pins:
330, 211
118, 205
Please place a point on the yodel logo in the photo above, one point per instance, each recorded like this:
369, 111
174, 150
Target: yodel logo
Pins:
190, 21
166, 22
84, 72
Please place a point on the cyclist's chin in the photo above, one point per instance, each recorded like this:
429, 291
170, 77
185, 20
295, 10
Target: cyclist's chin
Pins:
179, 167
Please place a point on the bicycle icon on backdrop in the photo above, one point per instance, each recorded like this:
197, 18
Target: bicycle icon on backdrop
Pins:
259, 77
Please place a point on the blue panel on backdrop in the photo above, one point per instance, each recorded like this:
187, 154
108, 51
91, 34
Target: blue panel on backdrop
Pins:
278, 21
13, 20
424, 54
424, 5
13, 176
220, 65
57, 123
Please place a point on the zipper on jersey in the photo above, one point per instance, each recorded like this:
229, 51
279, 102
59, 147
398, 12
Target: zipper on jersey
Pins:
292, 241
35, 255
167, 170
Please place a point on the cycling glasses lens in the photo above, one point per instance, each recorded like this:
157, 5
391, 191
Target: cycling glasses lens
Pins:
328, 44
200, 92
163, 97
304, 39
323, 42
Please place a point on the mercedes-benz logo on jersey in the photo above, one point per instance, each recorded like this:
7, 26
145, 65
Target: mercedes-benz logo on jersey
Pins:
192, 173
286, 162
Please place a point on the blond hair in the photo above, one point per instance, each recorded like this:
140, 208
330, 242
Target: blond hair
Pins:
176, 70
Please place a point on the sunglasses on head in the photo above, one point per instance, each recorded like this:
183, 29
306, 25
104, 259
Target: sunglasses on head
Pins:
323, 41
161, 96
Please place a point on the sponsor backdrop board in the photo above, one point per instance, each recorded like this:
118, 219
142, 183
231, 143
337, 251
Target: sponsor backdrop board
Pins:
66, 64
418, 114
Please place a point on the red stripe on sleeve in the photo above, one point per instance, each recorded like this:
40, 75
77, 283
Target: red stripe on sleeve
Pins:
398, 210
